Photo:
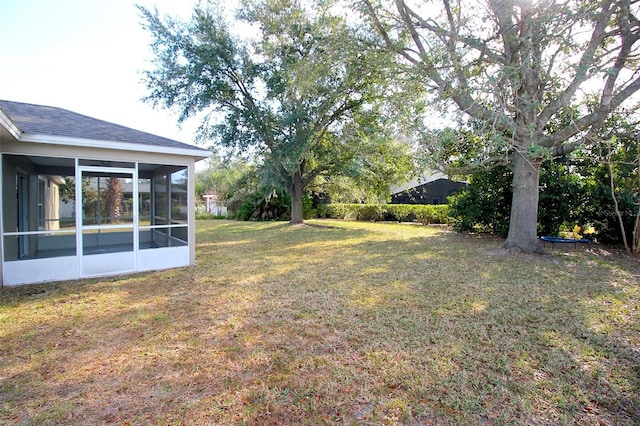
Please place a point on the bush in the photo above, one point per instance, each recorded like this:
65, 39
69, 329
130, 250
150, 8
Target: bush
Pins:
321, 211
266, 205
400, 212
432, 213
485, 205
308, 211
209, 216
342, 211
423, 213
370, 213
578, 194
258, 206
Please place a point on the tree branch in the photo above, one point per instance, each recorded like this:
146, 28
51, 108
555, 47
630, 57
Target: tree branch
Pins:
597, 38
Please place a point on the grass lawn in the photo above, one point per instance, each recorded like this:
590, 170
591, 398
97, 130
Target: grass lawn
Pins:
334, 323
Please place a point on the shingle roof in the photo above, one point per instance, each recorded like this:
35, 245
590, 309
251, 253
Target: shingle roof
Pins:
33, 119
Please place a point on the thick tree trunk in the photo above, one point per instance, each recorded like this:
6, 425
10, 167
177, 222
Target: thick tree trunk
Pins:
523, 223
296, 191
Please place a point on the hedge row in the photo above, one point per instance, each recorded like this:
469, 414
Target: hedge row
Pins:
423, 213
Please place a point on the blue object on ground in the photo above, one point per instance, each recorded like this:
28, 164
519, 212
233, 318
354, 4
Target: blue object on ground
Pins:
562, 240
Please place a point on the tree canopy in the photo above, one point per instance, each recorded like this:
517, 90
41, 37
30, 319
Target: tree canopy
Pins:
303, 94
513, 68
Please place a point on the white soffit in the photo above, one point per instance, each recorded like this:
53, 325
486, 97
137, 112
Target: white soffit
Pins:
121, 146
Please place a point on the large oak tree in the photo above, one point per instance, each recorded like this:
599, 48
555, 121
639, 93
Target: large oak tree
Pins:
303, 92
512, 67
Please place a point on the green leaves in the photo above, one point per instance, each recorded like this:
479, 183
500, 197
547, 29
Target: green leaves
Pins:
306, 92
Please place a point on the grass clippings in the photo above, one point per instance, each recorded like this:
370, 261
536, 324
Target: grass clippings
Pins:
337, 323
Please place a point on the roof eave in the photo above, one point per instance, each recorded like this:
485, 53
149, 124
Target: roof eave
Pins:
197, 153
6, 122
427, 177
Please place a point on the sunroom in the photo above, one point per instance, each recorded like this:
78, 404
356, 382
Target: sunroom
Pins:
83, 197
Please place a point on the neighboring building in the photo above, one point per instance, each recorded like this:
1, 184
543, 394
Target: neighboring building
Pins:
214, 203
83, 197
430, 189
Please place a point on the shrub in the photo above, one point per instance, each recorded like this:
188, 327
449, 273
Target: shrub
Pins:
569, 195
342, 211
321, 211
274, 205
485, 205
423, 213
400, 212
370, 213
209, 216
432, 213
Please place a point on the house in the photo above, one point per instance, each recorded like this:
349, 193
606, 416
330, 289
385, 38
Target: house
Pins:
82, 197
428, 189
215, 204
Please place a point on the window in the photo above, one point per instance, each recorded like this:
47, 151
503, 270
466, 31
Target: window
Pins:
40, 207
107, 199
42, 221
39, 215
107, 212
163, 206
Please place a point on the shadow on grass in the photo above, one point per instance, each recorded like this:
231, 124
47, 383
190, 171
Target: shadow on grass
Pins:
354, 323
502, 309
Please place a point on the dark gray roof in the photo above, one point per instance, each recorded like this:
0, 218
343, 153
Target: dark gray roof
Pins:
33, 119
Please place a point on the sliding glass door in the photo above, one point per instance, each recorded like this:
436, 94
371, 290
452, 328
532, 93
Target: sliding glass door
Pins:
108, 238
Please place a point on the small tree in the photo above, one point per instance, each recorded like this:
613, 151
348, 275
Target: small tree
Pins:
222, 176
622, 159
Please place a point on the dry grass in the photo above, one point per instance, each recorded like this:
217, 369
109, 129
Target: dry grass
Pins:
337, 323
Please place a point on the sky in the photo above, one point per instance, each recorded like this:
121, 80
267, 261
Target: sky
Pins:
86, 56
